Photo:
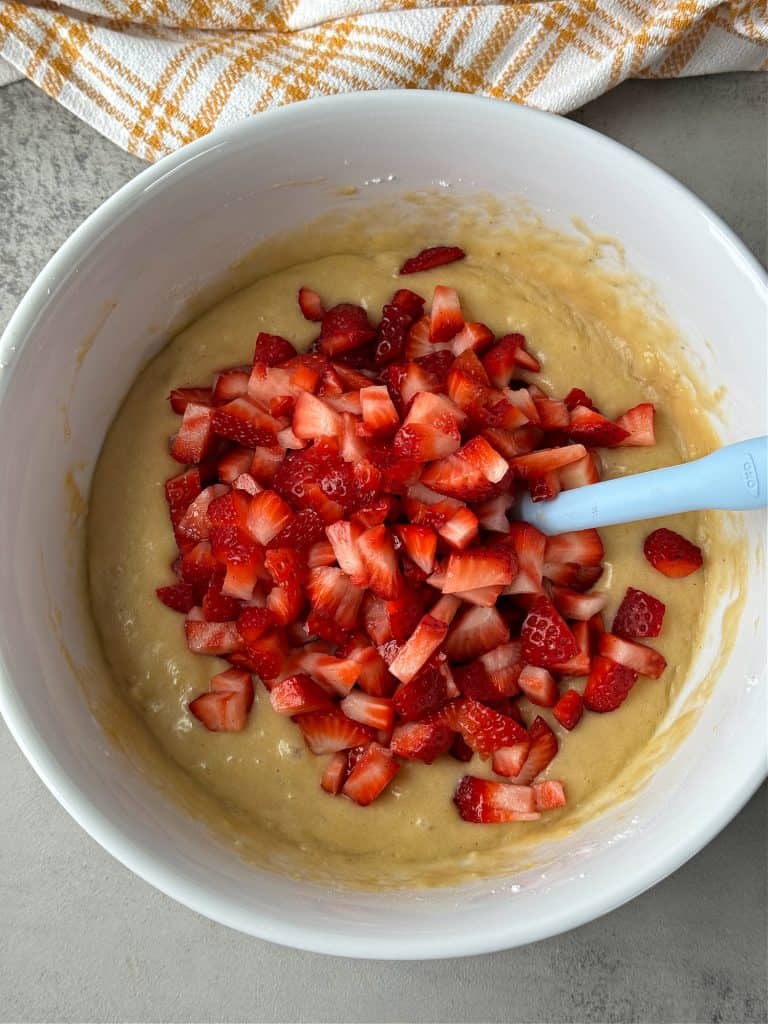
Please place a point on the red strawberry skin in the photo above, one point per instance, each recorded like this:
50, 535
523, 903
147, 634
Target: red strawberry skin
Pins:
672, 554
608, 685
435, 256
546, 638
639, 616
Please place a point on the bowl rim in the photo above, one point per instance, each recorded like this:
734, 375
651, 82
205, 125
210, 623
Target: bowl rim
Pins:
113, 837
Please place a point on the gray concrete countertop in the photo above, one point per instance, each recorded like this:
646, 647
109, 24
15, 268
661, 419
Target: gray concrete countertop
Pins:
82, 939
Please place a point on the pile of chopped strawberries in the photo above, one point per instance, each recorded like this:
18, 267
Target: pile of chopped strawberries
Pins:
346, 532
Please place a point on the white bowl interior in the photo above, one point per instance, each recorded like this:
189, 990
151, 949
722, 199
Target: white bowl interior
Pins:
104, 306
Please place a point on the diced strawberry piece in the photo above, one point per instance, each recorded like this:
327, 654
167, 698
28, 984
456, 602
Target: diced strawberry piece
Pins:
198, 565
374, 677
230, 384
460, 749
244, 423
434, 256
180, 492
268, 655
581, 546
351, 379
267, 516
503, 665
313, 418
608, 685
380, 561
371, 775
299, 695
217, 607
327, 732
195, 438
641, 659
446, 317
672, 554
417, 650
421, 694
545, 487
485, 458
509, 761
578, 397
461, 529
418, 342
522, 399
639, 616
486, 730
464, 389
420, 543
480, 567
543, 749
180, 398
500, 362
458, 478
474, 336
242, 559
579, 664
321, 465
589, 427
379, 414
212, 637
272, 349
195, 524
179, 596
484, 597
529, 546
275, 388
492, 514
482, 801
553, 415
596, 627
229, 509
376, 712
573, 605
638, 423
337, 675
396, 319
226, 707
253, 623
549, 794
536, 464
245, 482
344, 328
421, 741
344, 539
265, 462
569, 709
538, 686
335, 773
302, 532
545, 637
580, 473
475, 632
310, 304
473, 681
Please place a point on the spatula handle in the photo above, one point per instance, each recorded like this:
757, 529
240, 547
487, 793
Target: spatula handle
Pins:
735, 477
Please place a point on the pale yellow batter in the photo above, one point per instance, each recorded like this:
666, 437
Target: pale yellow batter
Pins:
264, 783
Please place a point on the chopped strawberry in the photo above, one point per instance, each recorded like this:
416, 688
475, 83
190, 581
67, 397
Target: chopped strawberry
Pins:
212, 637
474, 336
198, 565
314, 418
492, 514
486, 730
544, 487
538, 686
379, 414
265, 462
371, 775
589, 427
461, 529
424, 692
549, 794
335, 773
639, 616
267, 516
180, 398
641, 659
273, 350
310, 304
484, 802
545, 637
326, 732
536, 464
569, 709
420, 542
581, 546
479, 567
500, 362
195, 439
579, 664
218, 607
434, 256
672, 554
638, 423
396, 320
229, 509
580, 473
380, 561
337, 675
608, 685
253, 623
299, 695
553, 415
509, 761
426, 638
446, 317
179, 596
180, 492
344, 328
195, 524
475, 632
573, 605
302, 532
543, 749
332, 593
529, 546
374, 677
421, 741
578, 397
230, 384
376, 712
245, 423
226, 707
503, 665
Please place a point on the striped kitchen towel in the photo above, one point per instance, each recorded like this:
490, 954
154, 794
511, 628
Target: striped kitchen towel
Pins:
154, 74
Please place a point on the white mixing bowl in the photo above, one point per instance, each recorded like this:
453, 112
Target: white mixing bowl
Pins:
102, 307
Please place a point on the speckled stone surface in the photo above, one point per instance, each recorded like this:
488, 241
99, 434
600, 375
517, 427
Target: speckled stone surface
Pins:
82, 939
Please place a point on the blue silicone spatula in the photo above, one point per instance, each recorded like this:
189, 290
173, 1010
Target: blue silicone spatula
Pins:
735, 477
